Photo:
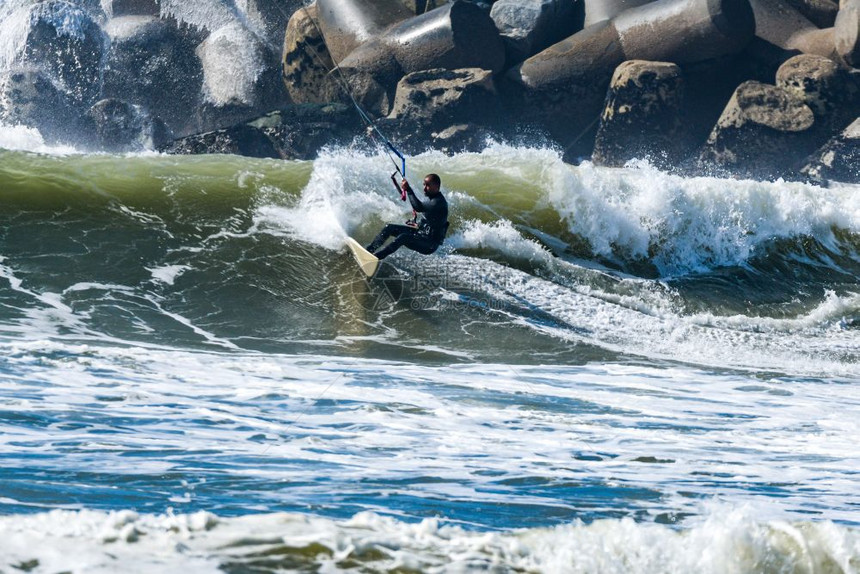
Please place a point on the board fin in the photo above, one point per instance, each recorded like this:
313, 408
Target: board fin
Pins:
368, 262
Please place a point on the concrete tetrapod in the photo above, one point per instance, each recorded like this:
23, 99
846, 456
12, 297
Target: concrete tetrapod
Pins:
563, 87
784, 27
643, 116
839, 159
602, 10
763, 131
846, 36
346, 24
456, 35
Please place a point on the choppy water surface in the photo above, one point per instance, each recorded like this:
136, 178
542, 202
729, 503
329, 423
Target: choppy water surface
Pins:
603, 370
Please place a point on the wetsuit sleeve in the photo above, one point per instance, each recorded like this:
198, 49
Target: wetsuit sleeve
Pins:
416, 203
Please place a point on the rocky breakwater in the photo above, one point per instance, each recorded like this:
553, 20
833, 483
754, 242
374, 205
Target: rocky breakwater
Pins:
125, 75
564, 87
748, 88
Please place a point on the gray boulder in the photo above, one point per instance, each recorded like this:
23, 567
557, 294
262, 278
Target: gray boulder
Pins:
643, 116
306, 60
296, 132
828, 89
65, 41
761, 134
31, 98
118, 126
151, 63
529, 26
440, 98
241, 77
839, 159
460, 138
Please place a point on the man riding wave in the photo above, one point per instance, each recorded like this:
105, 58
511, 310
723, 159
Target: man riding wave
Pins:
424, 236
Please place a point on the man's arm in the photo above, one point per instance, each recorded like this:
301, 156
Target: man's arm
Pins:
413, 199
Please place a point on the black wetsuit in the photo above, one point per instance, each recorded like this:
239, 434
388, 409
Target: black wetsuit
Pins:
426, 238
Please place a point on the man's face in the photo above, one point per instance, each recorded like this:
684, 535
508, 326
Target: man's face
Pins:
430, 188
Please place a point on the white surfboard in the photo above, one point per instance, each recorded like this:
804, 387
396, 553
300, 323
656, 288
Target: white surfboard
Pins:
365, 259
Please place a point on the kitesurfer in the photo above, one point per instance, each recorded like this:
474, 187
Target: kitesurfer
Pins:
425, 235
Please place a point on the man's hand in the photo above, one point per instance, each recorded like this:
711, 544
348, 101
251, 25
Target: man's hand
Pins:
404, 185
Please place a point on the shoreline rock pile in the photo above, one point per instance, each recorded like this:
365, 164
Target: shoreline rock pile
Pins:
734, 88
740, 88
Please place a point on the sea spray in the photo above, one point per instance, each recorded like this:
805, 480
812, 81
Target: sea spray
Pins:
730, 540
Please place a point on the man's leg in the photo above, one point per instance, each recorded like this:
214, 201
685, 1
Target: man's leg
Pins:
398, 242
387, 231
421, 244
412, 241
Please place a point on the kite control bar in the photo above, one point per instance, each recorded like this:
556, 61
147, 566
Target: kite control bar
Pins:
397, 187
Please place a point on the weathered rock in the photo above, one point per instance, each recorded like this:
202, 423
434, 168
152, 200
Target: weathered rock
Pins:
822, 13
241, 77
63, 40
825, 87
122, 127
846, 37
413, 137
603, 10
296, 132
764, 132
456, 35
529, 26
564, 86
117, 8
346, 24
439, 98
151, 63
460, 138
839, 159
785, 27
306, 60
643, 116
29, 97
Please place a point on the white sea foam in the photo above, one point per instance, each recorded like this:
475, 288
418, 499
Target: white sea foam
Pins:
22, 138
214, 14
346, 192
232, 59
731, 540
167, 274
17, 17
476, 429
812, 345
210, 14
679, 224
691, 224
502, 237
